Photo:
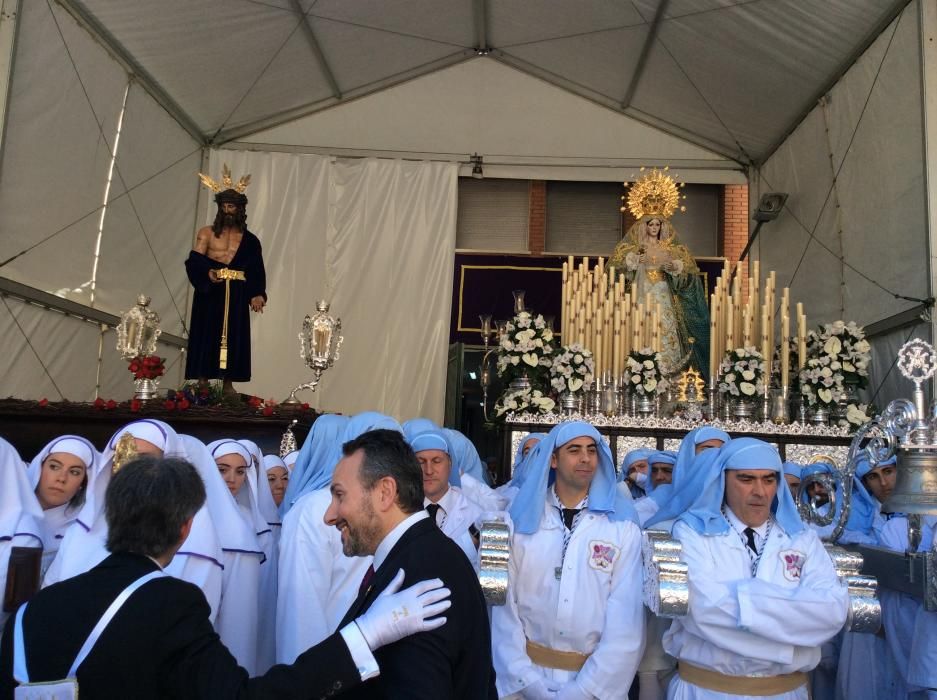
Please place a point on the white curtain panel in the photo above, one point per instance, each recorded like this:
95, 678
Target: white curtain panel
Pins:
375, 238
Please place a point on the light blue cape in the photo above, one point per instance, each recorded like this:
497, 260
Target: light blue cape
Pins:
465, 457
415, 426
632, 457
705, 513
604, 496
317, 458
682, 470
519, 452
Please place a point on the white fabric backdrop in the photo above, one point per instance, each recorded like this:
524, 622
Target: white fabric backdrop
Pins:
374, 237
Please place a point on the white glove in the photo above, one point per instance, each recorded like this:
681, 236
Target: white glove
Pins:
573, 691
393, 616
540, 690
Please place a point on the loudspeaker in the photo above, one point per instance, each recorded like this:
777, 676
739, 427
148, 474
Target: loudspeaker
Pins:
770, 205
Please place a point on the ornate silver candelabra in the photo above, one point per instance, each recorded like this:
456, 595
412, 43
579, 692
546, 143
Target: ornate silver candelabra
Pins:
319, 340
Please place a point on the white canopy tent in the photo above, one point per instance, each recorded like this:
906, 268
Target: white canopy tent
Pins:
326, 102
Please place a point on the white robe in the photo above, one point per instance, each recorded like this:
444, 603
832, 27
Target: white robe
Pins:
457, 513
595, 608
768, 625
317, 582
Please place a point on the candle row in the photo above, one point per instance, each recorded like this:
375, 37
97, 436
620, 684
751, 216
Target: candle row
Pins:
750, 322
599, 315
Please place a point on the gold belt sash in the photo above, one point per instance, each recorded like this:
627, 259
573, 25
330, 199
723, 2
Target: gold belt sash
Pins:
227, 274
551, 658
741, 685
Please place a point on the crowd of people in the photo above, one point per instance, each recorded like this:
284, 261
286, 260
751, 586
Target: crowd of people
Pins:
291, 555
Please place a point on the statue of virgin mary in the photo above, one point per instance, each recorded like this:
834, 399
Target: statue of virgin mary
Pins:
656, 263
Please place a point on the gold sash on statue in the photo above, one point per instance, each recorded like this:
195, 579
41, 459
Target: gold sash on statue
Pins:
227, 274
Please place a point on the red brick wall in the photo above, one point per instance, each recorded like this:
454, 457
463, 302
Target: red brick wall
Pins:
537, 217
733, 226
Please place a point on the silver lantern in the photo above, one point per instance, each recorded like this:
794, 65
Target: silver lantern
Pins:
320, 341
138, 330
137, 333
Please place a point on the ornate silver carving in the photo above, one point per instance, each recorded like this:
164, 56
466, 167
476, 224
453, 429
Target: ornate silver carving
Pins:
865, 609
138, 330
653, 422
666, 579
494, 553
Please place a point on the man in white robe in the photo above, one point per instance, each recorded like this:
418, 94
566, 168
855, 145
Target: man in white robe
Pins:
764, 595
442, 498
573, 623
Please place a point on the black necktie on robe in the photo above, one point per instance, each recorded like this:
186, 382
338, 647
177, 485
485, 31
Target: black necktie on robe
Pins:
569, 515
432, 509
750, 535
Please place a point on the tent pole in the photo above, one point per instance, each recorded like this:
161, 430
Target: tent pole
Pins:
928, 15
9, 24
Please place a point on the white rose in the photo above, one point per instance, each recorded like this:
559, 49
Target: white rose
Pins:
515, 360
835, 365
826, 396
649, 364
838, 327
748, 375
635, 378
577, 358
747, 388
507, 344
832, 346
548, 335
538, 343
730, 378
863, 346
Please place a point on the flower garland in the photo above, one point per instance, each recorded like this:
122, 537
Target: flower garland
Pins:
147, 367
572, 369
742, 373
644, 372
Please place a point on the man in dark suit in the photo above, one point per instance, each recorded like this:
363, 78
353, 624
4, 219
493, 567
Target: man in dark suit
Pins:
377, 504
160, 644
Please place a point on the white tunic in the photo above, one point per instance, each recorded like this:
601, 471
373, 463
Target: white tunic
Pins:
455, 515
318, 583
594, 608
770, 624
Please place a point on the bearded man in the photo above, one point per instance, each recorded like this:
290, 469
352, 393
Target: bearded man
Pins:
226, 269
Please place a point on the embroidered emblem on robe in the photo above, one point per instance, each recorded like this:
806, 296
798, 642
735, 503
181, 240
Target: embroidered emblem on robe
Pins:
793, 563
602, 555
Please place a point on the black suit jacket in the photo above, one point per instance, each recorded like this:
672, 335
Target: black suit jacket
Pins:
453, 661
159, 645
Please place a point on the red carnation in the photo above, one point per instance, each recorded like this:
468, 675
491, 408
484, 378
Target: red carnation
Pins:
268, 410
305, 406
99, 403
254, 402
169, 405
43, 402
111, 405
135, 405
183, 404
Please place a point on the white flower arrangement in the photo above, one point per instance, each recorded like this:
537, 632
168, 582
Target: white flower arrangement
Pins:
527, 343
531, 400
742, 373
573, 369
838, 357
847, 347
821, 380
643, 372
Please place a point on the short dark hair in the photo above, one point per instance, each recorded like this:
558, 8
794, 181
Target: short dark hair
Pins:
386, 453
147, 503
